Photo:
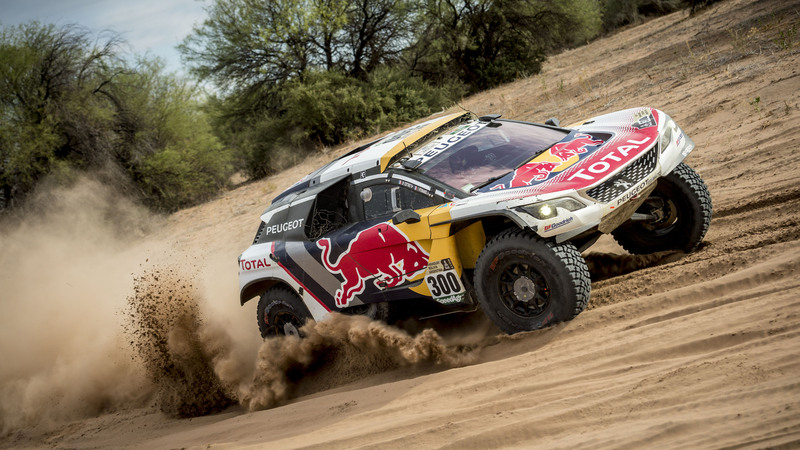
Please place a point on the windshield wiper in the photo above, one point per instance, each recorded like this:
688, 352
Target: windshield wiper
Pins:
487, 182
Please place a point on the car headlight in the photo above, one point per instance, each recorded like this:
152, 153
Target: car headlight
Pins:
548, 209
666, 136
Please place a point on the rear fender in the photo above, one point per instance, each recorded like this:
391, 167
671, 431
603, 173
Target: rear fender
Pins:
257, 287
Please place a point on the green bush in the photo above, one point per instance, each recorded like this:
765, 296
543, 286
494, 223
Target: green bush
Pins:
69, 103
326, 109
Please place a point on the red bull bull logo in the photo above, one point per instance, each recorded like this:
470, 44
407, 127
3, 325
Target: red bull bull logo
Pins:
381, 252
566, 150
532, 171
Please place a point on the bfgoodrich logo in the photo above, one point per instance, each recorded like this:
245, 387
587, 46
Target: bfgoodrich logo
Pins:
553, 226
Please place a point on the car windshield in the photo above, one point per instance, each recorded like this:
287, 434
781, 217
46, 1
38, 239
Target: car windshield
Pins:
489, 153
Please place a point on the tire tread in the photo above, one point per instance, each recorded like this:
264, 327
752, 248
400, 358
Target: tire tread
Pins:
566, 252
694, 183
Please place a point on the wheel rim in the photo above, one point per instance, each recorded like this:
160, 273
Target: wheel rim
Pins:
523, 289
287, 324
667, 210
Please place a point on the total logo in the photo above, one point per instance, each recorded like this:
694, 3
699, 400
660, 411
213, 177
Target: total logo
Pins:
253, 264
610, 160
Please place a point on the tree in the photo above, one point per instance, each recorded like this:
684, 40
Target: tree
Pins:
285, 67
376, 32
45, 72
255, 45
485, 43
71, 103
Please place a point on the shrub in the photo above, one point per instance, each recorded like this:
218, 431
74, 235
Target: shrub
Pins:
326, 109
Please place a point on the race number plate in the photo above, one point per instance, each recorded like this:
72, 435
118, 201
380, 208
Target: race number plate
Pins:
444, 283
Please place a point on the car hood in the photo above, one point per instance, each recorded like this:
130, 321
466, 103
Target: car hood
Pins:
592, 151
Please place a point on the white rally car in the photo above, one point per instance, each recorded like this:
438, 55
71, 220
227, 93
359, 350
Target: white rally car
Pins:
461, 213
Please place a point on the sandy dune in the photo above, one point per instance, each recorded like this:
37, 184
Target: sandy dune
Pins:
699, 350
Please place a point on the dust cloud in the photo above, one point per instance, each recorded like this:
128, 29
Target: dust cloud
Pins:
99, 316
65, 264
196, 369
343, 349
166, 329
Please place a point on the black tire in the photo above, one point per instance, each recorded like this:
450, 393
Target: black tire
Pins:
281, 313
525, 283
683, 201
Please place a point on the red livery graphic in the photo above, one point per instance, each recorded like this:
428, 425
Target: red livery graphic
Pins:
381, 252
540, 170
533, 171
566, 150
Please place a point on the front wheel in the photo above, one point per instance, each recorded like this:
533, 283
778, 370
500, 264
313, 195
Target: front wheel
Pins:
525, 283
281, 313
681, 207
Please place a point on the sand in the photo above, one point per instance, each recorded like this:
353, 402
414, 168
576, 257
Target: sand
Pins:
698, 350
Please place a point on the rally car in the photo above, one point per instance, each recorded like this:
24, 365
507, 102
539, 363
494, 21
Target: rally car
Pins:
461, 213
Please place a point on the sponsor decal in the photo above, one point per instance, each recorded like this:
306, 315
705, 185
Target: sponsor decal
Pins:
636, 190
282, 227
600, 168
532, 171
457, 298
559, 157
443, 282
414, 187
253, 264
383, 254
644, 119
560, 224
544, 321
403, 133
449, 140
566, 150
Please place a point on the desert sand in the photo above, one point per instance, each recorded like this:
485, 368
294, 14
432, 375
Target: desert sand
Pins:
699, 350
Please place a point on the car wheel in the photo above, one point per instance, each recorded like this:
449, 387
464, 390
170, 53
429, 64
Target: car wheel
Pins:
375, 311
281, 313
525, 283
682, 207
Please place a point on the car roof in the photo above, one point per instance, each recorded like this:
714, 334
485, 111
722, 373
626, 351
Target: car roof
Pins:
381, 153
376, 156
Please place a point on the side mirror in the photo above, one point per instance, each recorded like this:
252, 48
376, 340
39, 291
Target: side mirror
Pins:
405, 216
552, 122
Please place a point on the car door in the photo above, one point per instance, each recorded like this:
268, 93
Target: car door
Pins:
369, 254
395, 252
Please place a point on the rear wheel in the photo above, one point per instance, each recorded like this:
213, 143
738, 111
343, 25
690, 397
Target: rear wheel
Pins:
281, 313
681, 207
525, 283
